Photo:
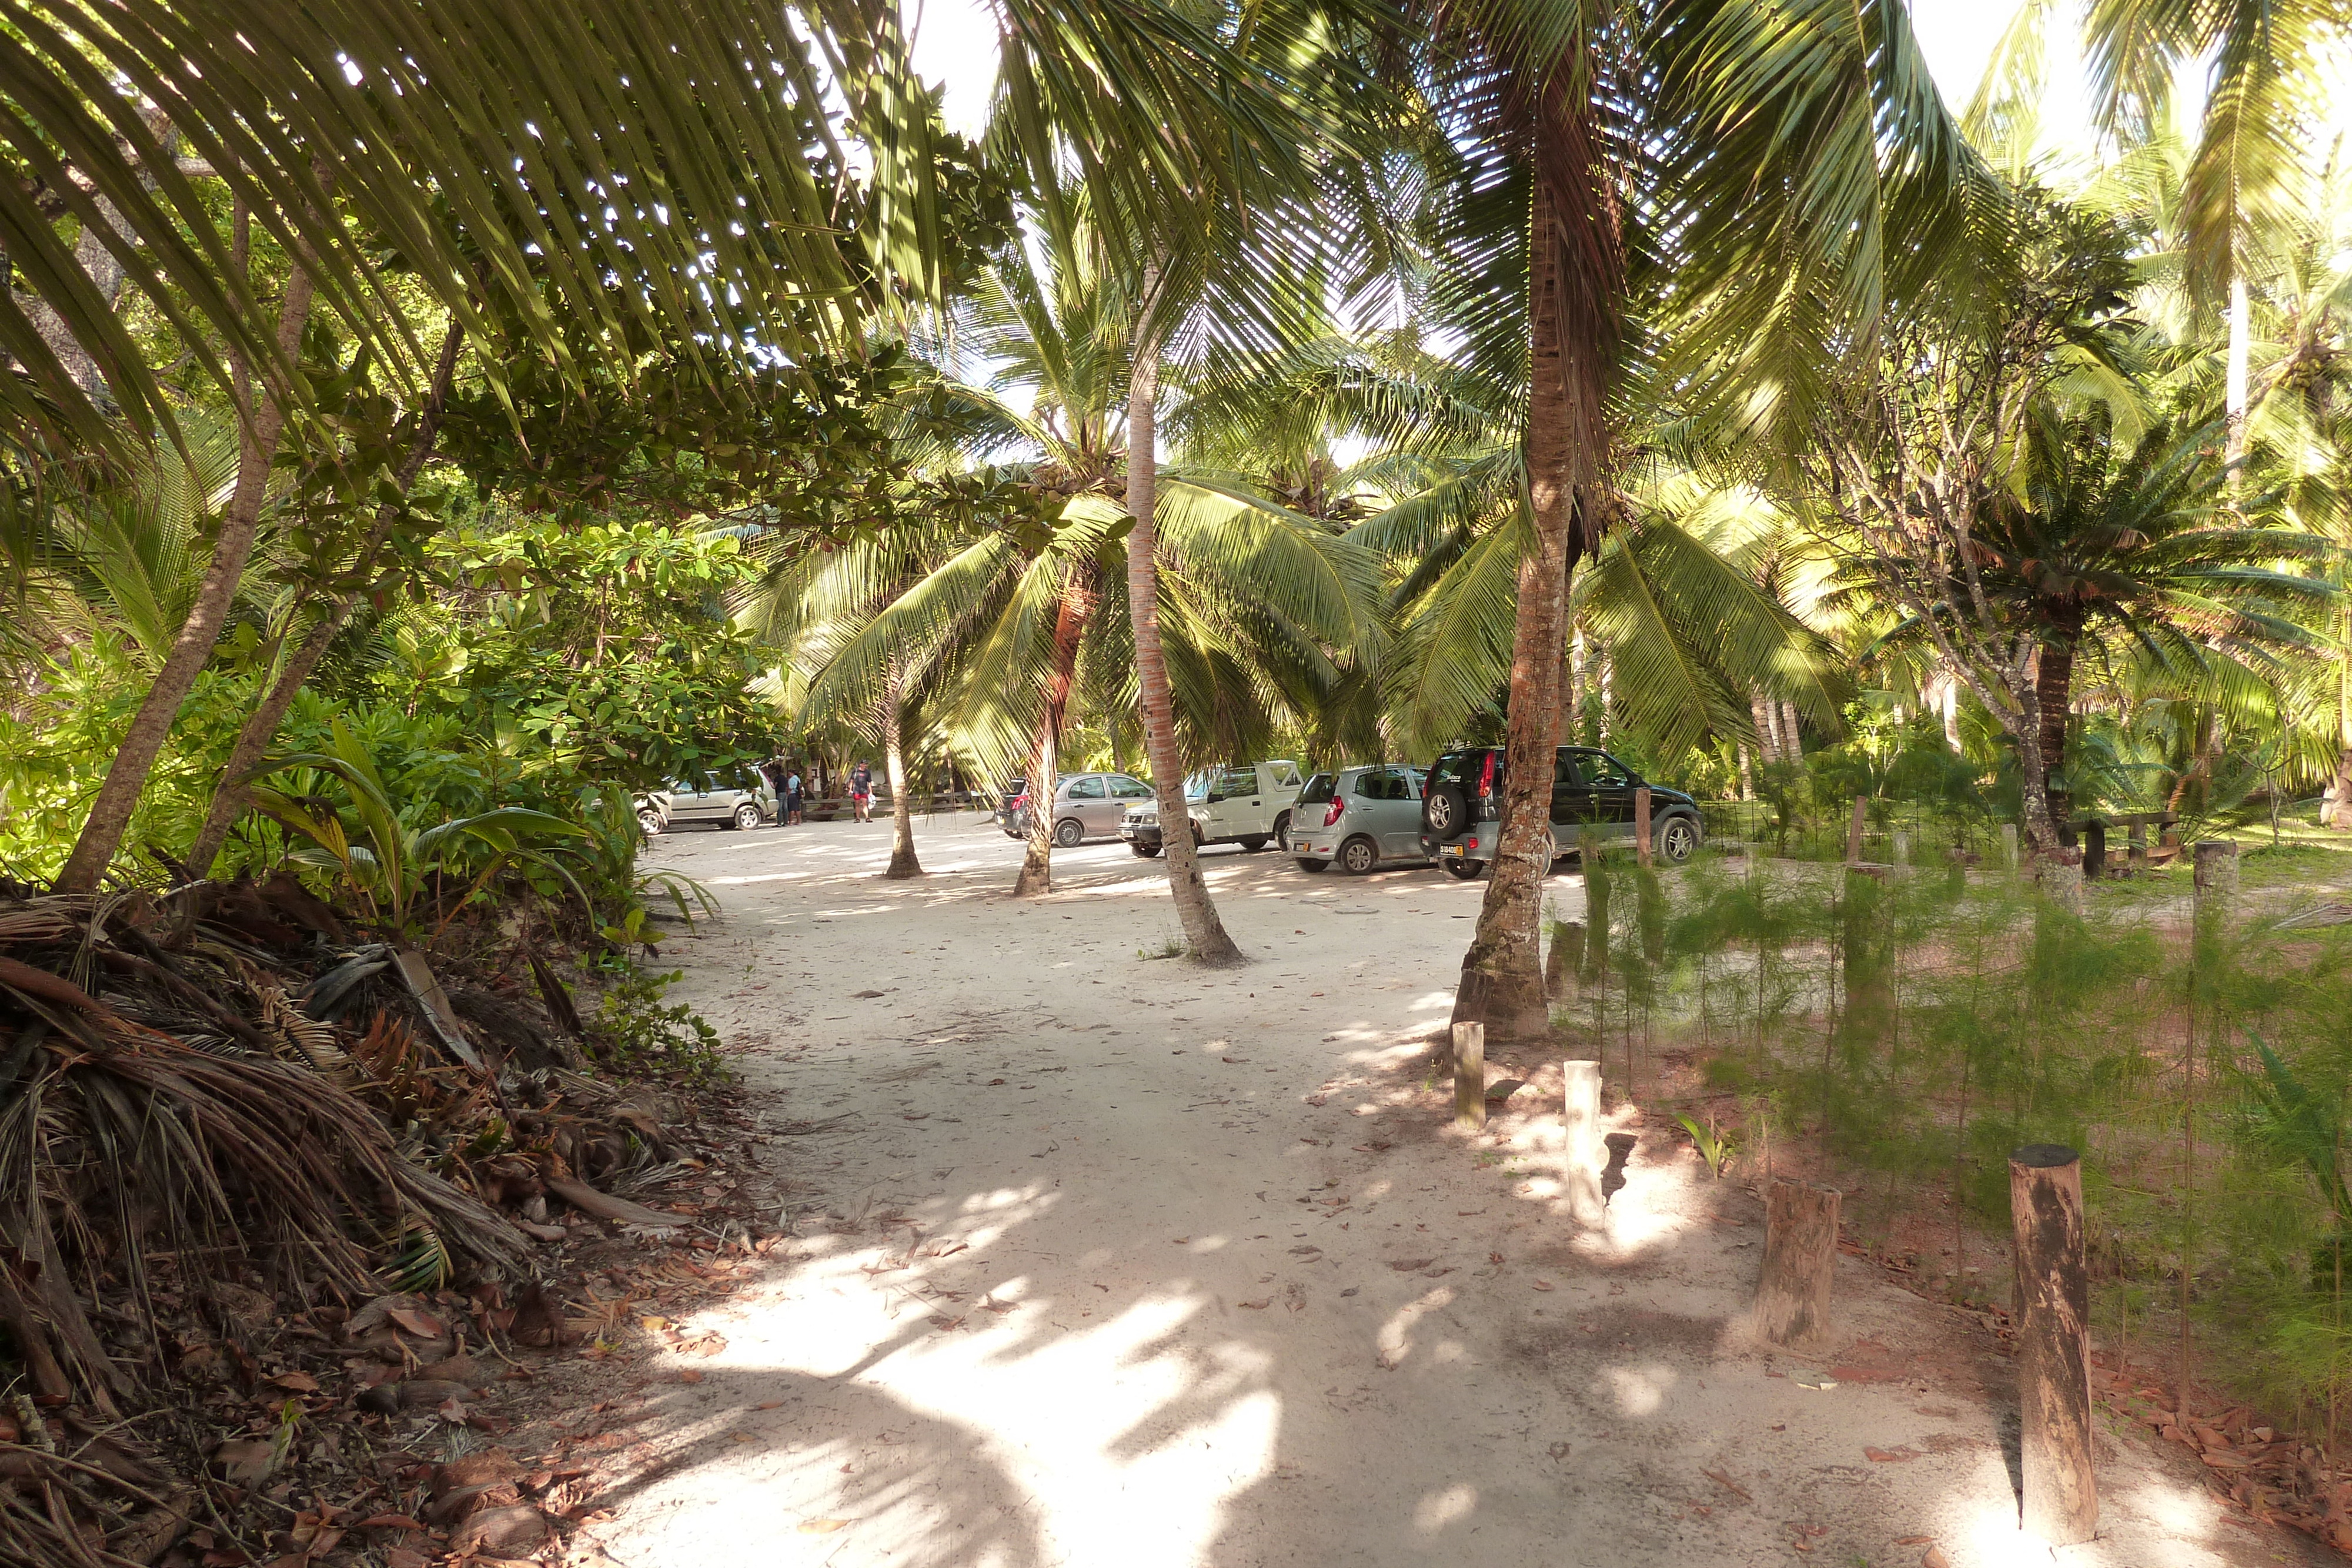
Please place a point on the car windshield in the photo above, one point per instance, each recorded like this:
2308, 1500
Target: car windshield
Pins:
1319, 789
1196, 788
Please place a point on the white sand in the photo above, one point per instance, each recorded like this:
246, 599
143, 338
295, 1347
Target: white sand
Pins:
1090, 1276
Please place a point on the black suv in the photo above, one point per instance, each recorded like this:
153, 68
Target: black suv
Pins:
1591, 791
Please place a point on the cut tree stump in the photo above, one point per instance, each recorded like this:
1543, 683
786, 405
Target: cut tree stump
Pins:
1470, 1075
1853, 828
2060, 1499
1801, 1226
1584, 1154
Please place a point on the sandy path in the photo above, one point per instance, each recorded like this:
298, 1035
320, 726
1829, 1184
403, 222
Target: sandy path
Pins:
1112, 1262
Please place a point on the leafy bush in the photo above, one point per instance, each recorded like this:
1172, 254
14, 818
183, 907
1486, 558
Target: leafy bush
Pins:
634, 1035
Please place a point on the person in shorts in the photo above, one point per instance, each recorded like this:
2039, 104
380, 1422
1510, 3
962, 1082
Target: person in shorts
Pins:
792, 797
861, 792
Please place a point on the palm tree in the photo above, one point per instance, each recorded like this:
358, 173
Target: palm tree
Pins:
546, 174
2267, 72
1728, 171
2102, 542
818, 606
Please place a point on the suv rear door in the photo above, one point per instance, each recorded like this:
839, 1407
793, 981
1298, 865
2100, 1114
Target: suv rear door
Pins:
1612, 785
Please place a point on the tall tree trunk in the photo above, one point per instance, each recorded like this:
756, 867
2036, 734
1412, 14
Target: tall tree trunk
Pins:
1747, 771
1949, 704
1079, 597
2339, 808
1792, 735
1502, 983
2033, 778
261, 728
2054, 683
1204, 934
1760, 709
1579, 659
151, 726
903, 863
2236, 376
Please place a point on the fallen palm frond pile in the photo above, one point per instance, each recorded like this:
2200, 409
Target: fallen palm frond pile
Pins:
273, 1202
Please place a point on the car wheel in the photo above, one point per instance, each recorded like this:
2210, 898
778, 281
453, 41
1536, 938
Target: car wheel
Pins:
1199, 838
1464, 870
1677, 841
1445, 811
1308, 862
747, 817
1254, 844
1359, 856
1069, 833
1282, 832
1149, 851
650, 820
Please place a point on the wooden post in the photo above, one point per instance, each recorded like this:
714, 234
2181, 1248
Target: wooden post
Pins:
1792, 1298
1470, 1075
2061, 1505
1853, 830
1584, 1154
2136, 845
2009, 846
1902, 849
1564, 959
2095, 850
1642, 821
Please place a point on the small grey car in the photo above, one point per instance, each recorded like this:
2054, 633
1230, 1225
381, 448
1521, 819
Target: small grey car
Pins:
738, 797
1360, 817
1085, 805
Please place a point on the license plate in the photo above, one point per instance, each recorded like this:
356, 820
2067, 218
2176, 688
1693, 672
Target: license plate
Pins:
1454, 850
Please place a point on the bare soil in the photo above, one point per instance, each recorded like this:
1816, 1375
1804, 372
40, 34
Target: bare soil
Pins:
1100, 1258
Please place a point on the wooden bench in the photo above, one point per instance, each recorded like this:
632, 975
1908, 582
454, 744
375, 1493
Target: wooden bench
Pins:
2138, 857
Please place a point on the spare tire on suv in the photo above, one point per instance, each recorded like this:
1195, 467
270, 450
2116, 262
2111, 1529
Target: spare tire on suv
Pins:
1445, 810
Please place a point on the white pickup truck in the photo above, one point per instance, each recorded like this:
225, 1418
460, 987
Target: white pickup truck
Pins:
1246, 804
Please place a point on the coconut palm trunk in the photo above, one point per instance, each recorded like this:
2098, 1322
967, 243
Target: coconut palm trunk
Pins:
1079, 599
151, 726
1760, 710
261, 728
1571, 332
2054, 682
1204, 933
903, 863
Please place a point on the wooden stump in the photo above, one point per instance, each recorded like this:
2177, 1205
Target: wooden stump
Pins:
1642, 821
1853, 828
1470, 1075
2095, 851
1584, 1154
2135, 846
1902, 849
1564, 959
2061, 1501
2009, 846
1792, 1299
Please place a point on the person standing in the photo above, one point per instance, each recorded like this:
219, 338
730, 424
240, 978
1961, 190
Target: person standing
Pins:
772, 771
792, 797
861, 792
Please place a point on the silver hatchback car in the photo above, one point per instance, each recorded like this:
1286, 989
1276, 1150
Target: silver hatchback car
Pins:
1360, 817
1085, 805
